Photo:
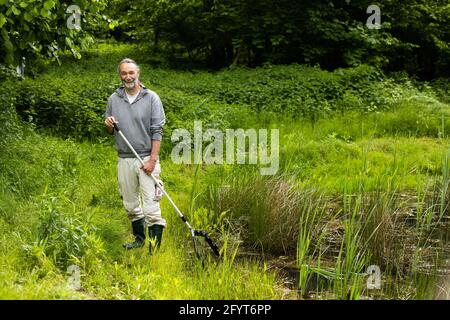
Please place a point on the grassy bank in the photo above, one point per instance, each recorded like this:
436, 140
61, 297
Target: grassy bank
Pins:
362, 184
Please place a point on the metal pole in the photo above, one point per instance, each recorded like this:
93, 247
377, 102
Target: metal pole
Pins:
155, 180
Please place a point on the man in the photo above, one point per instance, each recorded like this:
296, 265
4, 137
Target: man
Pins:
139, 113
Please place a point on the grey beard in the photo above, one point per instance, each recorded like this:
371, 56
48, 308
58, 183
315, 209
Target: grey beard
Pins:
129, 85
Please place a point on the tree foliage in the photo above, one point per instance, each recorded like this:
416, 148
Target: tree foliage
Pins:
414, 34
31, 28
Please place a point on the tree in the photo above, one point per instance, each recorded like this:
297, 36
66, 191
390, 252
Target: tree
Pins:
31, 28
414, 34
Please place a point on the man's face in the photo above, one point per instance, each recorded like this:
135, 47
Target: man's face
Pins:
129, 75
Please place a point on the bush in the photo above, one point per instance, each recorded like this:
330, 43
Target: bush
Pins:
294, 90
72, 105
64, 237
69, 107
441, 87
9, 122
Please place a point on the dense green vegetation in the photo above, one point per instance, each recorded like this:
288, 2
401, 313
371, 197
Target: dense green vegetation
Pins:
412, 36
362, 171
37, 29
363, 177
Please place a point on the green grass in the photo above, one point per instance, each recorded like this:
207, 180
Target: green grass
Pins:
363, 180
75, 217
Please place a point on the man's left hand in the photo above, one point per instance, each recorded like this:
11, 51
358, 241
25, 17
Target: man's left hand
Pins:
149, 166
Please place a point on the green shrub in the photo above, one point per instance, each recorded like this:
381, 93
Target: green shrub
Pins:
10, 123
70, 100
69, 107
64, 237
294, 90
441, 87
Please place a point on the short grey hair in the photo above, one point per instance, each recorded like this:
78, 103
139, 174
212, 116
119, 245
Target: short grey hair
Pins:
127, 60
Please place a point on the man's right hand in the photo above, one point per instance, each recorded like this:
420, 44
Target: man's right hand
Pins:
109, 124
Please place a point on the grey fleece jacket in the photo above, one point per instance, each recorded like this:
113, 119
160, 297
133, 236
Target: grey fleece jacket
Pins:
140, 122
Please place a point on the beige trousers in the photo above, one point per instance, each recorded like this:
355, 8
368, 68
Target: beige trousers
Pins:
138, 191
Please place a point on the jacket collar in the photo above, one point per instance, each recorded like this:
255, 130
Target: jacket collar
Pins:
121, 92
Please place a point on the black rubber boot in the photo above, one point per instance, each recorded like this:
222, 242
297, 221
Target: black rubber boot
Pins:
155, 232
139, 234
